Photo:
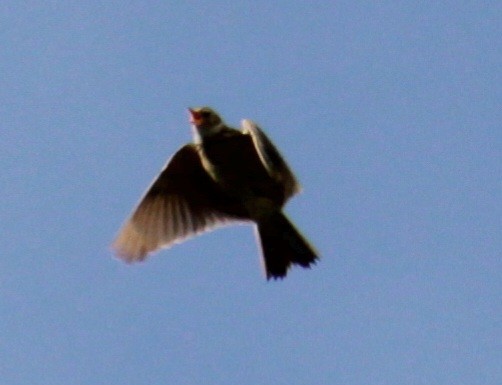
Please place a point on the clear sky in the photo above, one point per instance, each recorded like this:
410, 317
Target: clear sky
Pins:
388, 111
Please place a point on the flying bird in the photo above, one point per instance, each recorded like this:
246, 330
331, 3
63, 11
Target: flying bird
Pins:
226, 176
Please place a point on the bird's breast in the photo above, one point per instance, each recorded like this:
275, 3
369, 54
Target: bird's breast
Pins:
235, 166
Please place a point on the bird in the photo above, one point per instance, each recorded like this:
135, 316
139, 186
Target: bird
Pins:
225, 176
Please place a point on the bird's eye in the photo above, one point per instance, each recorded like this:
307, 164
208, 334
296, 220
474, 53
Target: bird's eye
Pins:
205, 114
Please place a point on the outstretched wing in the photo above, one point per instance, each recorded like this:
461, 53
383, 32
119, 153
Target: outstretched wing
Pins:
181, 202
272, 159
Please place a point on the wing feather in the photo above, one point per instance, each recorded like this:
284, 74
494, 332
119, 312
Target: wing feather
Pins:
271, 158
180, 203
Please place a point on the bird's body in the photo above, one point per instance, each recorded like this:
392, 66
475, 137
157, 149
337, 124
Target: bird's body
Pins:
232, 163
226, 176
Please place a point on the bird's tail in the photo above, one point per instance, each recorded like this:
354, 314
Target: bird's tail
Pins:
283, 245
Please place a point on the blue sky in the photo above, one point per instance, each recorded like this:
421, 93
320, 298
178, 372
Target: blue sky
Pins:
390, 114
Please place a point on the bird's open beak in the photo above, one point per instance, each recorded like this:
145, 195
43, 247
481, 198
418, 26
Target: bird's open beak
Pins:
195, 117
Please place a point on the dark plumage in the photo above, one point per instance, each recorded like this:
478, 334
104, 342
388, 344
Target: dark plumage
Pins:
227, 176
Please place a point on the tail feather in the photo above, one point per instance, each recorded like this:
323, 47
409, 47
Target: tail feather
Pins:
283, 245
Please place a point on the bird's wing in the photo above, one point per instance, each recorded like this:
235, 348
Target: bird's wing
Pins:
272, 159
181, 202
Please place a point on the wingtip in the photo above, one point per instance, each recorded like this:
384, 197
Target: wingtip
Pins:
245, 126
129, 258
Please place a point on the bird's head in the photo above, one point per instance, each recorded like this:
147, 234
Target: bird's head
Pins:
206, 121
